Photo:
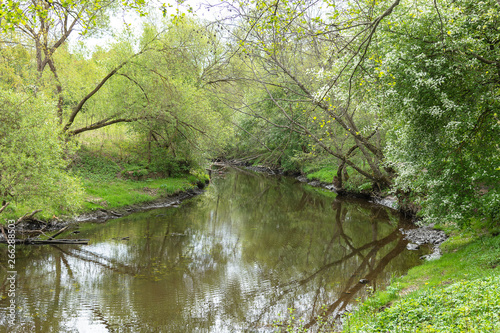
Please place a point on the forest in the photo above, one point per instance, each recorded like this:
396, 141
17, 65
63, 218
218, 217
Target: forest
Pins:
381, 98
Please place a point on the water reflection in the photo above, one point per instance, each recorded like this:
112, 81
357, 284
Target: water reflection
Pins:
229, 260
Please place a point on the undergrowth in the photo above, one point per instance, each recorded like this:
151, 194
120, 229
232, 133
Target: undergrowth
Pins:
457, 293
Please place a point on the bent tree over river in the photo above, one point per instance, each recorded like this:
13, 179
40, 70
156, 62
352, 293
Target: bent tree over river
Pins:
233, 259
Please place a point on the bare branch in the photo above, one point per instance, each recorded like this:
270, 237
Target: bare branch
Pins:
80, 105
4, 206
27, 216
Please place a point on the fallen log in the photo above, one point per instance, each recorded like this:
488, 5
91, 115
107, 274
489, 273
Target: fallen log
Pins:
30, 241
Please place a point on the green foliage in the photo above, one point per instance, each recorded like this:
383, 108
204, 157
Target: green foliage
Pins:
325, 174
177, 185
33, 158
95, 166
465, 306
110, 183
456, 293
168, 165
441, 102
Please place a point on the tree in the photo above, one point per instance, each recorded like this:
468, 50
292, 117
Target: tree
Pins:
314, 52
440, 94
46, 25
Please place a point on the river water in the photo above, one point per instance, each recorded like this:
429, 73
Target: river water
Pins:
235, 259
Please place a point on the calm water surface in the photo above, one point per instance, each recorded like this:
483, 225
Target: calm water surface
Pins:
230, 260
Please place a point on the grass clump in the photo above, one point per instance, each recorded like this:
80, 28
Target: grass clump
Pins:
120, 192
325, 174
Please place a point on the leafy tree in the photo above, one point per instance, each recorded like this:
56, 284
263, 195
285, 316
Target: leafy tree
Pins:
440, 92
313, 52
32, 156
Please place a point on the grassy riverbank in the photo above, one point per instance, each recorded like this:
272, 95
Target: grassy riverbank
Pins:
110, 183
460, 292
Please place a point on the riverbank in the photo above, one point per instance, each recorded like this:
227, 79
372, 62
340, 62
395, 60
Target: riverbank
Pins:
459, 292
112, 189
322, 178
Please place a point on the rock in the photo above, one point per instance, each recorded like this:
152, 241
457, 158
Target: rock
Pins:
330, 187
314, 183
426, 235
302, 179
389, 201
412, 247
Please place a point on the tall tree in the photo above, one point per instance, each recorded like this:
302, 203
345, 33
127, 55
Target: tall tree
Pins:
315, 51
47, 25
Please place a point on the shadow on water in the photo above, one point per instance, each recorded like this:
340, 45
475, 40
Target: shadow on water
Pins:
230, 260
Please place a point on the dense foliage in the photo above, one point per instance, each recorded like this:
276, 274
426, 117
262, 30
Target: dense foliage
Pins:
424, 312
440, 94
32, 156
394, 94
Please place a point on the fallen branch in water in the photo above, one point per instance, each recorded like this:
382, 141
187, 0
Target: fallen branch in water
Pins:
31, 241
57, 233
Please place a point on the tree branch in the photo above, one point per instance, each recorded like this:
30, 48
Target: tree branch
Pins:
4, 206
80, 105
103, 123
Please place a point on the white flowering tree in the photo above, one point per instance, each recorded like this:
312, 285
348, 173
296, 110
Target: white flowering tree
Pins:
441, 96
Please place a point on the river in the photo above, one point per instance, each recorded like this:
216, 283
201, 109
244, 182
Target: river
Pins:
236, 258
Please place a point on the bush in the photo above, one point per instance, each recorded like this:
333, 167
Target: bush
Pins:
168, 165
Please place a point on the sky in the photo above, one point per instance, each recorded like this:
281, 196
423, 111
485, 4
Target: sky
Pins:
132, 21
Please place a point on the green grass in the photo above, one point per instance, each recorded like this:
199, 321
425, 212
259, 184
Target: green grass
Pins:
457, 293
460, 292
105, 187
119, 193
325, 174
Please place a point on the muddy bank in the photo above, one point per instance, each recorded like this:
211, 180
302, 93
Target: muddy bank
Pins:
30, 227
102, 215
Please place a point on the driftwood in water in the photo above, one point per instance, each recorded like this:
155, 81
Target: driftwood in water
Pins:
57, 233
31, 241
